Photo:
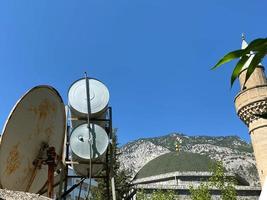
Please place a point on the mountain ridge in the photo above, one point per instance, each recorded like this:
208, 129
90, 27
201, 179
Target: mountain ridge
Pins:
235, 153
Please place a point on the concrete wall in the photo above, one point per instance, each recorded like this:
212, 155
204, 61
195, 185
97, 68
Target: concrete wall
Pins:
184, 194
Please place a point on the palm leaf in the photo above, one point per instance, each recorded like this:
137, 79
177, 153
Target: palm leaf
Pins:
261, 49
238, 68
230, 56
253, 64
257, 44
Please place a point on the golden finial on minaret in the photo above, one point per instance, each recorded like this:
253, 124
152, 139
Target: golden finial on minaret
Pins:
178, 144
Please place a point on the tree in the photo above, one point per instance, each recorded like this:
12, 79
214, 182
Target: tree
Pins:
218, 180
200, 193
140, 195
224, 183
256, 51
161, 195
157, 195
122, 177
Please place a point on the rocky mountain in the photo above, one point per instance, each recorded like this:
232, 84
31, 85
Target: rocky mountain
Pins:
236, 154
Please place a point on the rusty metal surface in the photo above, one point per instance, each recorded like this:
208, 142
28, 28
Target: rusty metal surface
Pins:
51, 162
38, 117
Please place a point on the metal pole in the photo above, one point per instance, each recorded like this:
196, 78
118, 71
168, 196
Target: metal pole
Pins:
112, 156
88, 99
37, 165
88, 124
71, 188
63, 171
51, 156
66, 170
109, 154
62, 174
113, 188
107, 176
80, 189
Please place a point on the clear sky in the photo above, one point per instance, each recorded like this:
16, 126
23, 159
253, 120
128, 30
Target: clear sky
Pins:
154, 55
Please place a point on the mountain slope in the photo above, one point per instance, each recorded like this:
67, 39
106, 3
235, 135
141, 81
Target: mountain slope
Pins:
236, 155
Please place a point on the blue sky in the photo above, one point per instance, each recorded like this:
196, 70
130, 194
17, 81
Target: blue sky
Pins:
154, 55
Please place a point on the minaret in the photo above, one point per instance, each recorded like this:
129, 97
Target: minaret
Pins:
251, 102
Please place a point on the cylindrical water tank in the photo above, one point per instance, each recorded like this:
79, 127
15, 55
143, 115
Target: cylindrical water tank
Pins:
99, 97
88, 144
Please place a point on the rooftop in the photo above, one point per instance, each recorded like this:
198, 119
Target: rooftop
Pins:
175, 161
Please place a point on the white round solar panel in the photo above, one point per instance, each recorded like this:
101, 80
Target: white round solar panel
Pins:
86, 145
99, 97
38, 117
80, 141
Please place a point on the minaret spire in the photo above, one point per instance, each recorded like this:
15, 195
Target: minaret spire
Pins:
244, 43
243, 36
251, 103
243, 46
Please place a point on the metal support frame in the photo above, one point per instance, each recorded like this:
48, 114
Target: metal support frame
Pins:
107, 163
46, 156
108, 155
37, 164
64, 195
51, 162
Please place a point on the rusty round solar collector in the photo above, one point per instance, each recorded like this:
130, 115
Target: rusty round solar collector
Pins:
38, 118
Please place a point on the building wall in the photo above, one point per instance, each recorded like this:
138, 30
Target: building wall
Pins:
180, 182
184, 194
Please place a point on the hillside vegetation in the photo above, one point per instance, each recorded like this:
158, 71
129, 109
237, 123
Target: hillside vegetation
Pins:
236, 154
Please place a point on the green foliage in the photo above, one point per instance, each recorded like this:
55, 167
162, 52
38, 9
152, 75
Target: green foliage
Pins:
168, 141
122, 177
97, 193
229, 57
200, 193
256, 50
223, 183
238, 68
157, 195
141, 195
218, 180
161, 195
229, 192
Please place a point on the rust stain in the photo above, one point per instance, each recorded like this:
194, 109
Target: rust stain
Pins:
13, 160
27, 170
38, 129
43, 109
49, 131
30, 137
